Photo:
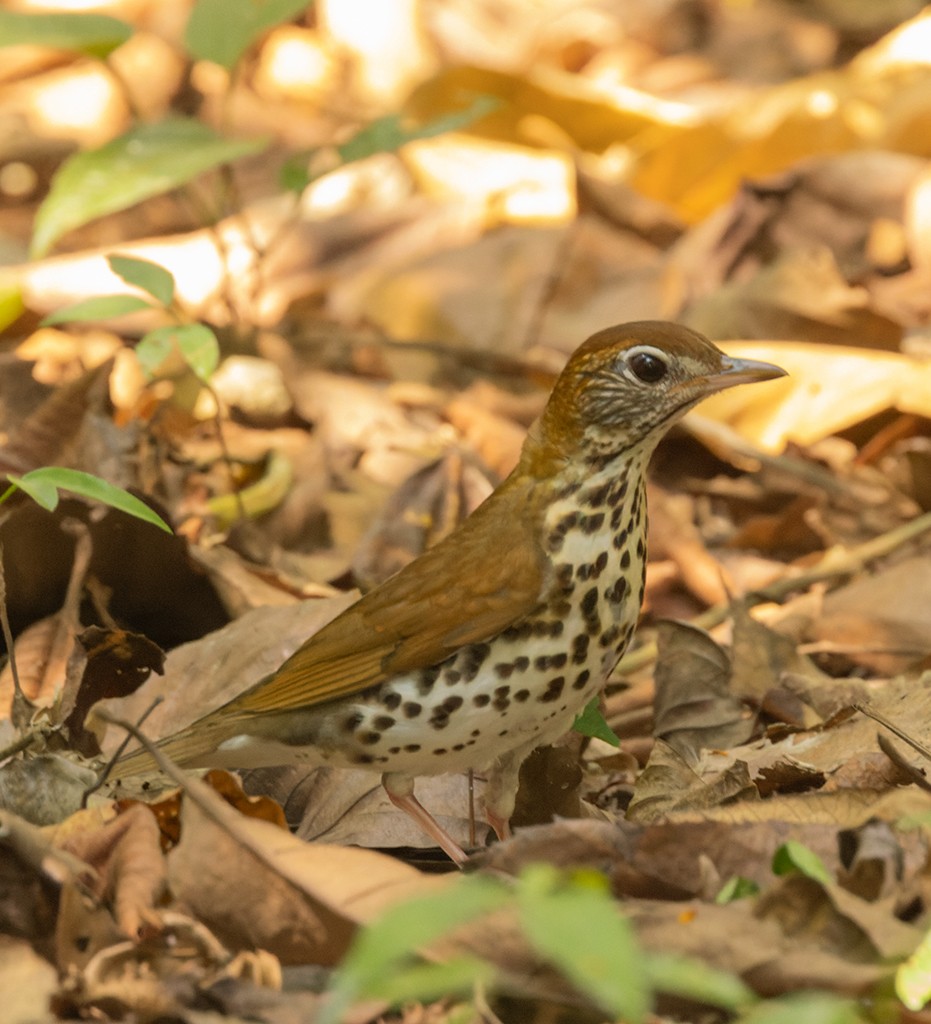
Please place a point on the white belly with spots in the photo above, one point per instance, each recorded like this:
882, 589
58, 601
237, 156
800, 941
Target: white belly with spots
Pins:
525, 685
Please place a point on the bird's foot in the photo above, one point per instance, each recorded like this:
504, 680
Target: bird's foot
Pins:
409, 803
502, 826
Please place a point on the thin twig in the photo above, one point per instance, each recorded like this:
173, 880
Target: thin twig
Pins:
118, 753
887, 723
23, 742
19, 696
835, 562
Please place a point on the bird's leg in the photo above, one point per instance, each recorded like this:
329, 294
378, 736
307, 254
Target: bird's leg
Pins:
400, 790
501, 790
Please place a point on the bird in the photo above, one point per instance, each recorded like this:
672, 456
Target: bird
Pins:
490, 643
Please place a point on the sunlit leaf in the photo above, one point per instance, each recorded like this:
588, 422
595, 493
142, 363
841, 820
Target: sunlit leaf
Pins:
580, 930
94, 34
591, 722
11, 302
913, 978
144, 274
793, 856
197, 344
386, 135
42, 485
221, 31
146, 161
101, 307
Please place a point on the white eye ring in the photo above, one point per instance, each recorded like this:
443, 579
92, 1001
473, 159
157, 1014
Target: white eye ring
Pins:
645, 364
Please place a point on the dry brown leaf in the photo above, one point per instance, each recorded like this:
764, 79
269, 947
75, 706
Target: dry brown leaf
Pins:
802, 295
667, 785
348, 806
761, 657
830, 918
495, 439
127, 856
877, 100
733, 939
848, 202
40, 661
694, 707
107, 663
257, 886
881, 619
428, 506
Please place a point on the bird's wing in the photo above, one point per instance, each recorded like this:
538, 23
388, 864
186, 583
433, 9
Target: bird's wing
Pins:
486, 576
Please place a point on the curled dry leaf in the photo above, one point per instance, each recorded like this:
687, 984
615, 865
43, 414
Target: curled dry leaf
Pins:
131, 868
149, 980
40, 661
116, 663
762, 657
667, 784
694, 708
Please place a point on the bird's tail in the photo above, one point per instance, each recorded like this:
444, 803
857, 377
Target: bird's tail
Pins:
192, 747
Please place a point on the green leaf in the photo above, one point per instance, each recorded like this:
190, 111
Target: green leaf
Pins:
391, 942
42, 491
11, 301
42, 486
94, 34
197, 344
693, 979
804, 1008
221, 31
153, 349
913, 977
144, 274
146, 161
384, 135
580, 930
793, 856
425, 983
591, 722
736, 888
101, 307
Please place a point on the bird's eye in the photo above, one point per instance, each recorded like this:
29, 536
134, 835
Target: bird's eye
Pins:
647, 367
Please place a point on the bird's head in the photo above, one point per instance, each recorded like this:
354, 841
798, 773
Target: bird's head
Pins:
624, 387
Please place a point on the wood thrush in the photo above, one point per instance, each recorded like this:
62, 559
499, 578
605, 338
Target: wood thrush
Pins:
489, 644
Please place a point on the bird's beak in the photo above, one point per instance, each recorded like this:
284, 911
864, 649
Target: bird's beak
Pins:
740, 371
